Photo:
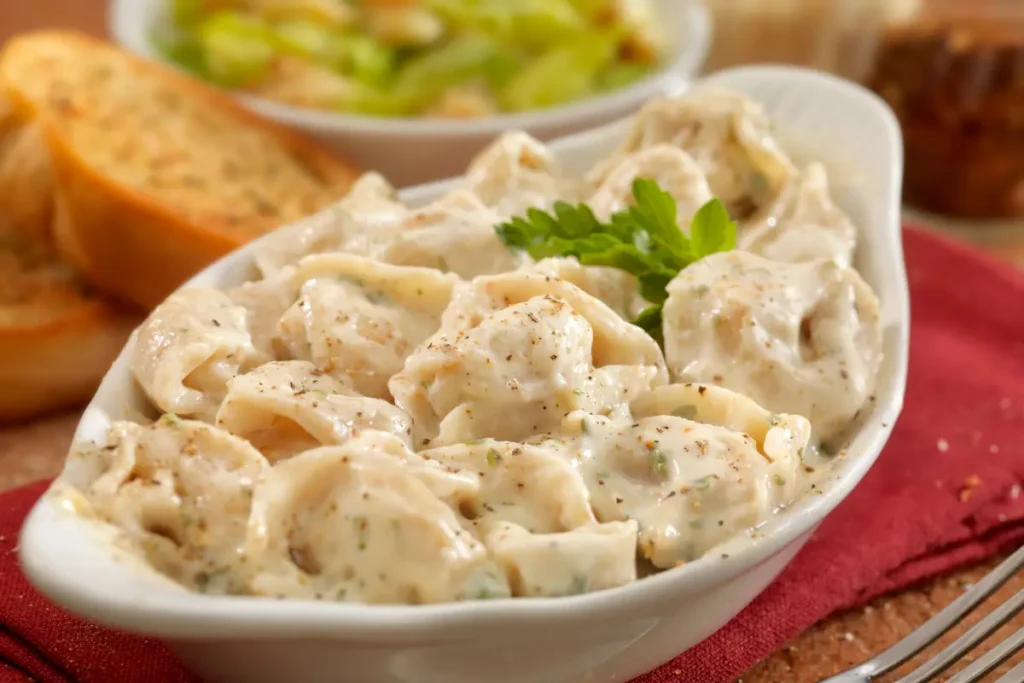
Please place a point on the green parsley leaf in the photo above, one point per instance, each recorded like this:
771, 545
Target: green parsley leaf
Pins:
644, 240
711, 230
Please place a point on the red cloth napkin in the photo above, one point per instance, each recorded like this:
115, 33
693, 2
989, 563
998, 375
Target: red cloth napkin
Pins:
945, 491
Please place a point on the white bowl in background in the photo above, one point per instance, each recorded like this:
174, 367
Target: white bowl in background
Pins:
418, 150
608, 636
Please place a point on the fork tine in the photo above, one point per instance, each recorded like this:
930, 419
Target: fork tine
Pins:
933, 629
993, 658
965, 643
1014, 676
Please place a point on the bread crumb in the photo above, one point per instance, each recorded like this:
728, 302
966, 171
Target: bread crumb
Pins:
967, 490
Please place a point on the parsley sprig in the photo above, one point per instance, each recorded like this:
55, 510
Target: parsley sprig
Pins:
643, 240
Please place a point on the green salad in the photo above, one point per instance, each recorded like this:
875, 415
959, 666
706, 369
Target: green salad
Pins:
438, 58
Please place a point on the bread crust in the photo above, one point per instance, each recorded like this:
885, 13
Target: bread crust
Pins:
57, 338
59, 363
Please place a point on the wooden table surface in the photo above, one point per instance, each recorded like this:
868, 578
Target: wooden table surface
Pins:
35, 451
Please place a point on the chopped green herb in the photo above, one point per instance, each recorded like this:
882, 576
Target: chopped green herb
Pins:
584, 425
659, 462
579, 585
688, 412
644, 240
493, 457
774, 420
577, 392
696, 524
703, 482
779, 480
170, 419
341, 594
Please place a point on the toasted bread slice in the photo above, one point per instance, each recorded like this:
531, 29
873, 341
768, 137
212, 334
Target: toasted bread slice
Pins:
155, 173
57, 340
26, 185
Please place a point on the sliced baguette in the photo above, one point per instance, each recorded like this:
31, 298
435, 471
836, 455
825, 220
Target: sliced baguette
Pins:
156, 174
57, 339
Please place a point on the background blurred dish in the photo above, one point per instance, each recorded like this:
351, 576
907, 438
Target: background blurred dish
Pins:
411, 151
612, 635
453, 59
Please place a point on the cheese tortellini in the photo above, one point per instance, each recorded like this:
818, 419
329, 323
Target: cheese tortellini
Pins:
181, 493
403, 410
802, 224
509, 369
802, 338
727, 135
283, 408
517, 172
359, 319
188, 349
351, 523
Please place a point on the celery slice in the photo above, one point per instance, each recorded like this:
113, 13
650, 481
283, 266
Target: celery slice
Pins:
236, 48
560, 75
522, 23
424, 77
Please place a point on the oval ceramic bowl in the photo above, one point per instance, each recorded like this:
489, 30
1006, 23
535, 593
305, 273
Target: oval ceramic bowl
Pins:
412, 150
608, 636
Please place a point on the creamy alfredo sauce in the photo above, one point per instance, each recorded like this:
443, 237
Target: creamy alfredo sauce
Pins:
402, 410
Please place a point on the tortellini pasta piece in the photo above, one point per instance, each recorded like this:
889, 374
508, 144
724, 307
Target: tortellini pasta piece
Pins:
453, 234
284, 408
509, 370
616, 288
526, 485
352, 523
371, 205
729, 137
798, 338
615, 341
181, 491
674, 170
586, 559
777, 435
188, 348
803, 224
359, 319
517, 172
265, 303
689, 485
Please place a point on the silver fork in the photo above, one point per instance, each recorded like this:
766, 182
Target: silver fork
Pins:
933, 629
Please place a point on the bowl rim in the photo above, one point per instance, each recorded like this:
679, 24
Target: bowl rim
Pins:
186, 614
696, 21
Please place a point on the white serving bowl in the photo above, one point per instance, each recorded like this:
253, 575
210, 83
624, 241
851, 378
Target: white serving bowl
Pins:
417, 150
608, 636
